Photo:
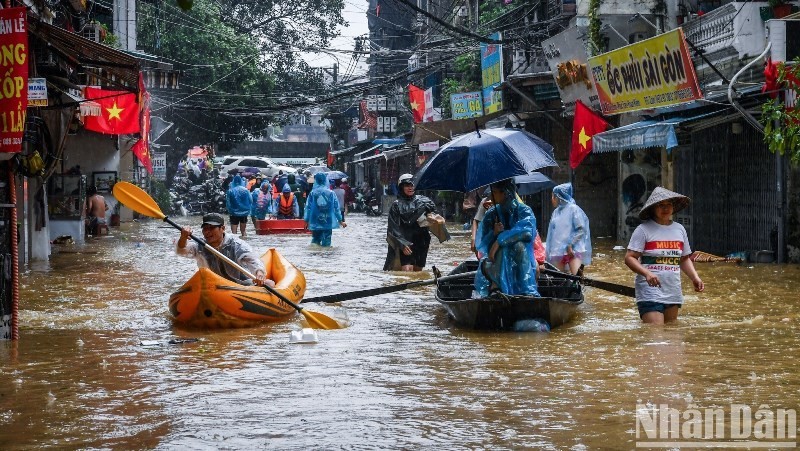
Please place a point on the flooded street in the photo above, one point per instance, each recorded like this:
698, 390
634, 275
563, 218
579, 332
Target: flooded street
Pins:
399, 377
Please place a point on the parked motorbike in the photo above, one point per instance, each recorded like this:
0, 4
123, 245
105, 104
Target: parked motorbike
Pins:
373, 207
359, 205
176, 204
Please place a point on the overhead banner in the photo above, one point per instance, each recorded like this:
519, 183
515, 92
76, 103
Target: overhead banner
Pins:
649, 74
14, 82
566, 56
492, 74
464, 105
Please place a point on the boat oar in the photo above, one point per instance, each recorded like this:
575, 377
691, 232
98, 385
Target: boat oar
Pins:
390, 289
139, 201
608, 286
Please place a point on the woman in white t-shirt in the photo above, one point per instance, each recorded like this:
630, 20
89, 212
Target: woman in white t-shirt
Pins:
658, 251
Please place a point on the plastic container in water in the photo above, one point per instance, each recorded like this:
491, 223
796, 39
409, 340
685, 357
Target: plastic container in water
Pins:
532, 325
306, 335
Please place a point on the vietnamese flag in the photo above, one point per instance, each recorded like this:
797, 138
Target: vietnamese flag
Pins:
416, 97
119, 113
587, 123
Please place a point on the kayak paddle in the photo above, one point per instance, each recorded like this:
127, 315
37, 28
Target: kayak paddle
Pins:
390, 289
139, 201
607, 286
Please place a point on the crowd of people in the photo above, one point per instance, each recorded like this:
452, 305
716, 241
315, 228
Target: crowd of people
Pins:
322, 204
504, 235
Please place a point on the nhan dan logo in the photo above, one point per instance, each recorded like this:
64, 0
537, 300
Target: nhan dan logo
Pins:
734, 426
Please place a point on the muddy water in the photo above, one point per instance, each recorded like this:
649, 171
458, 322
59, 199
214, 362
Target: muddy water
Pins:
399, 377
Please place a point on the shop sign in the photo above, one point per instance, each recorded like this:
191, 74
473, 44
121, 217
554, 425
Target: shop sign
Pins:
14, 79
159, 160
653, 73
566, 56
466, 105
492, 74
37, 92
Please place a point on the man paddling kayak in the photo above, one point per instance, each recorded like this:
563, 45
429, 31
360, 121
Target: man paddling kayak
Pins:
228, 244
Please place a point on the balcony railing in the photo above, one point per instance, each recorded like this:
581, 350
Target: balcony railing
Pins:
736, 25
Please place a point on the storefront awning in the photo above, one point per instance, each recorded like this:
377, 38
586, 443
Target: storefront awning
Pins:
110, 66
341, 151
389, 141
368, 150
643, 134
371, 157
448, 128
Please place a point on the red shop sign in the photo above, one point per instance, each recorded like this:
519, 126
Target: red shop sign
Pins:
13, 78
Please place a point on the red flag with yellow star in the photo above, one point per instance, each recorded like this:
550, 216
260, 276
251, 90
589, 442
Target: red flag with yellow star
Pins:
119, 113
587, 123
417, 98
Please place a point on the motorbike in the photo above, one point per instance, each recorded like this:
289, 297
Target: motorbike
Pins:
373, 207
359, 205
176, 204
196, 200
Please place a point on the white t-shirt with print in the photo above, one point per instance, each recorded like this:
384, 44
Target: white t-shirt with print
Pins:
662, 247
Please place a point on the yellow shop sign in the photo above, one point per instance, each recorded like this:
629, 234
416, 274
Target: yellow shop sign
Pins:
648, 74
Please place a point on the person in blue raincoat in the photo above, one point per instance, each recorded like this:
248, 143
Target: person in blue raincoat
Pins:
239, 202
322, 213
569, 244
504, 238
262, 202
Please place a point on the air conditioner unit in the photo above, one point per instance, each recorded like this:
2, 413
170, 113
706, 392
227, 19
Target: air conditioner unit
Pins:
463, 12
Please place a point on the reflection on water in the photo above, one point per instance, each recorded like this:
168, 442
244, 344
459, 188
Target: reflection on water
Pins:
399, 377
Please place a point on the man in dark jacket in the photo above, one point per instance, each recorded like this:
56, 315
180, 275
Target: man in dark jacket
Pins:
408, 232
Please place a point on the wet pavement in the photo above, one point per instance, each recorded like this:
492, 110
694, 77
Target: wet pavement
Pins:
399, 377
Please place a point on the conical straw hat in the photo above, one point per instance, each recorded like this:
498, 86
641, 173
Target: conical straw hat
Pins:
679, 201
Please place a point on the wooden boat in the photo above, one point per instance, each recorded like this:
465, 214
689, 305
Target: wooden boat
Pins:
208, 300
275, 226
557, 304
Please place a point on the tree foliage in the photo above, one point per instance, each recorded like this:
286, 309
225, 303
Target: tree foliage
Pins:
239, 64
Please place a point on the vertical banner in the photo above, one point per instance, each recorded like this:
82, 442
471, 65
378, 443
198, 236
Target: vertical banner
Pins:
14, 82
428, 116
492, 74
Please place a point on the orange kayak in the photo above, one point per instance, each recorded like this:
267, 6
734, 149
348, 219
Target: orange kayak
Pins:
208, 300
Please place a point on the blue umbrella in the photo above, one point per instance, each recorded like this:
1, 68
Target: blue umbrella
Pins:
481, 158
336, 175
532, 183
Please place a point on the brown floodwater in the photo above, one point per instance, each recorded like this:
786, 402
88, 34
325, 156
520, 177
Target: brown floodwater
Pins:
399, 377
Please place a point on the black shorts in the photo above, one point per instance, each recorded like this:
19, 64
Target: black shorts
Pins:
235, 220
